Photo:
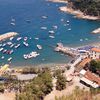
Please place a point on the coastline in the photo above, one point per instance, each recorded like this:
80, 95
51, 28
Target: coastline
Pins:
59, 1
96, 31
78, 13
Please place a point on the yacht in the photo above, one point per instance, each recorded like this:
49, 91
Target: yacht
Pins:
12, 23
69, 29
39, 47
2, 57
55, 27
25, 38
44, 17
31, 55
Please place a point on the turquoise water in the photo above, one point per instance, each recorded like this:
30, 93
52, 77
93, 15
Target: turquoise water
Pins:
33, 10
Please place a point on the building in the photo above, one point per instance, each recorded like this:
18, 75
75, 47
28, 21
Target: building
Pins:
90, 79
95, 53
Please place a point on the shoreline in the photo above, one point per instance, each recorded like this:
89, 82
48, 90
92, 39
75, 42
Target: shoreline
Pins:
58, 1
96, 31
78, 13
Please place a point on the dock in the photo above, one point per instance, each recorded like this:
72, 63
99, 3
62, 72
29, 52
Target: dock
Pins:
7, 35
65, 50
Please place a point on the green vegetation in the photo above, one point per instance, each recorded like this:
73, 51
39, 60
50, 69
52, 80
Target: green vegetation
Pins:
37, 88
89, 7
61, 80
95, 66
78, 94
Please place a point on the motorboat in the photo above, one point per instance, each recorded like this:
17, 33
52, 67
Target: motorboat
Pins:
26, 44
31, 55
51, 36
11, 38
69, 29
9, 43
55, 27
17, 45
43, 28
39, 46
36, 38
2, 57
12, 45
9, 59
1, 49
25, 38
51, 32
19, 38
12, 23
44, 17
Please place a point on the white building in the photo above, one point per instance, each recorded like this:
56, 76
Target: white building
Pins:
95, 53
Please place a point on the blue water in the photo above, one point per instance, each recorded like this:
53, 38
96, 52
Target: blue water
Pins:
32, 10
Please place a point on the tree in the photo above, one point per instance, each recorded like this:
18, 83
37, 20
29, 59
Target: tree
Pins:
61, 82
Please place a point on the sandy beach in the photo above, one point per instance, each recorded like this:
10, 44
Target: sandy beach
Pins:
78, 13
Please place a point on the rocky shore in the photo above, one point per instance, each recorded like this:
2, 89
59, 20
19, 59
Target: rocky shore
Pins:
96, 31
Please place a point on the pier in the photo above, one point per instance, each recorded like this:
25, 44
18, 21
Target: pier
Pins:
7, 35
65, 50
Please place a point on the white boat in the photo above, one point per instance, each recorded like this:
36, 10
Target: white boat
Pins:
12, 23
25, 38
26, 44
9, 59
51, 32
39, 46
51, 36
81, 40
11, 38
43, 28
69, 29
4, 44
36, 38
1, 49
62, 19
13, 20
4, 51
2, 57
9, 43
12, 45
55, 27
0, 45
17, 45
31, 55
67, 21
44, 17
19, 38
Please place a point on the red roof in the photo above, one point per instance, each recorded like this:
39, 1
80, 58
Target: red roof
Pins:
95, 49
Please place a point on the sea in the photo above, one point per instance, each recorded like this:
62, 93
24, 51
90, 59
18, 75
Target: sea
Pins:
29, 18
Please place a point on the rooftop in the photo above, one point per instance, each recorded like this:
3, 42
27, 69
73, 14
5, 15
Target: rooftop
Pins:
95, 49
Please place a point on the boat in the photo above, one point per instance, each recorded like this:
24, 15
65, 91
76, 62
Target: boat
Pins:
12, 23
4, 51
39, 46
9, 43
62, 19
1, 49
69, 29
26, 44
9, 59
31, 55
13, 20
36, 38
11, 38
55, 27
67, 21
12, 45
19, 38
2, 57
17, 45
9, 51
4, 44
28, 21
44, 17
43, 28
25, 38
51, 36
0, 45
51, 32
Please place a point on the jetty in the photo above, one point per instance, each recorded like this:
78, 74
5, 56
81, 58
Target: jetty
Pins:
96, 31
66, 50
7, 35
